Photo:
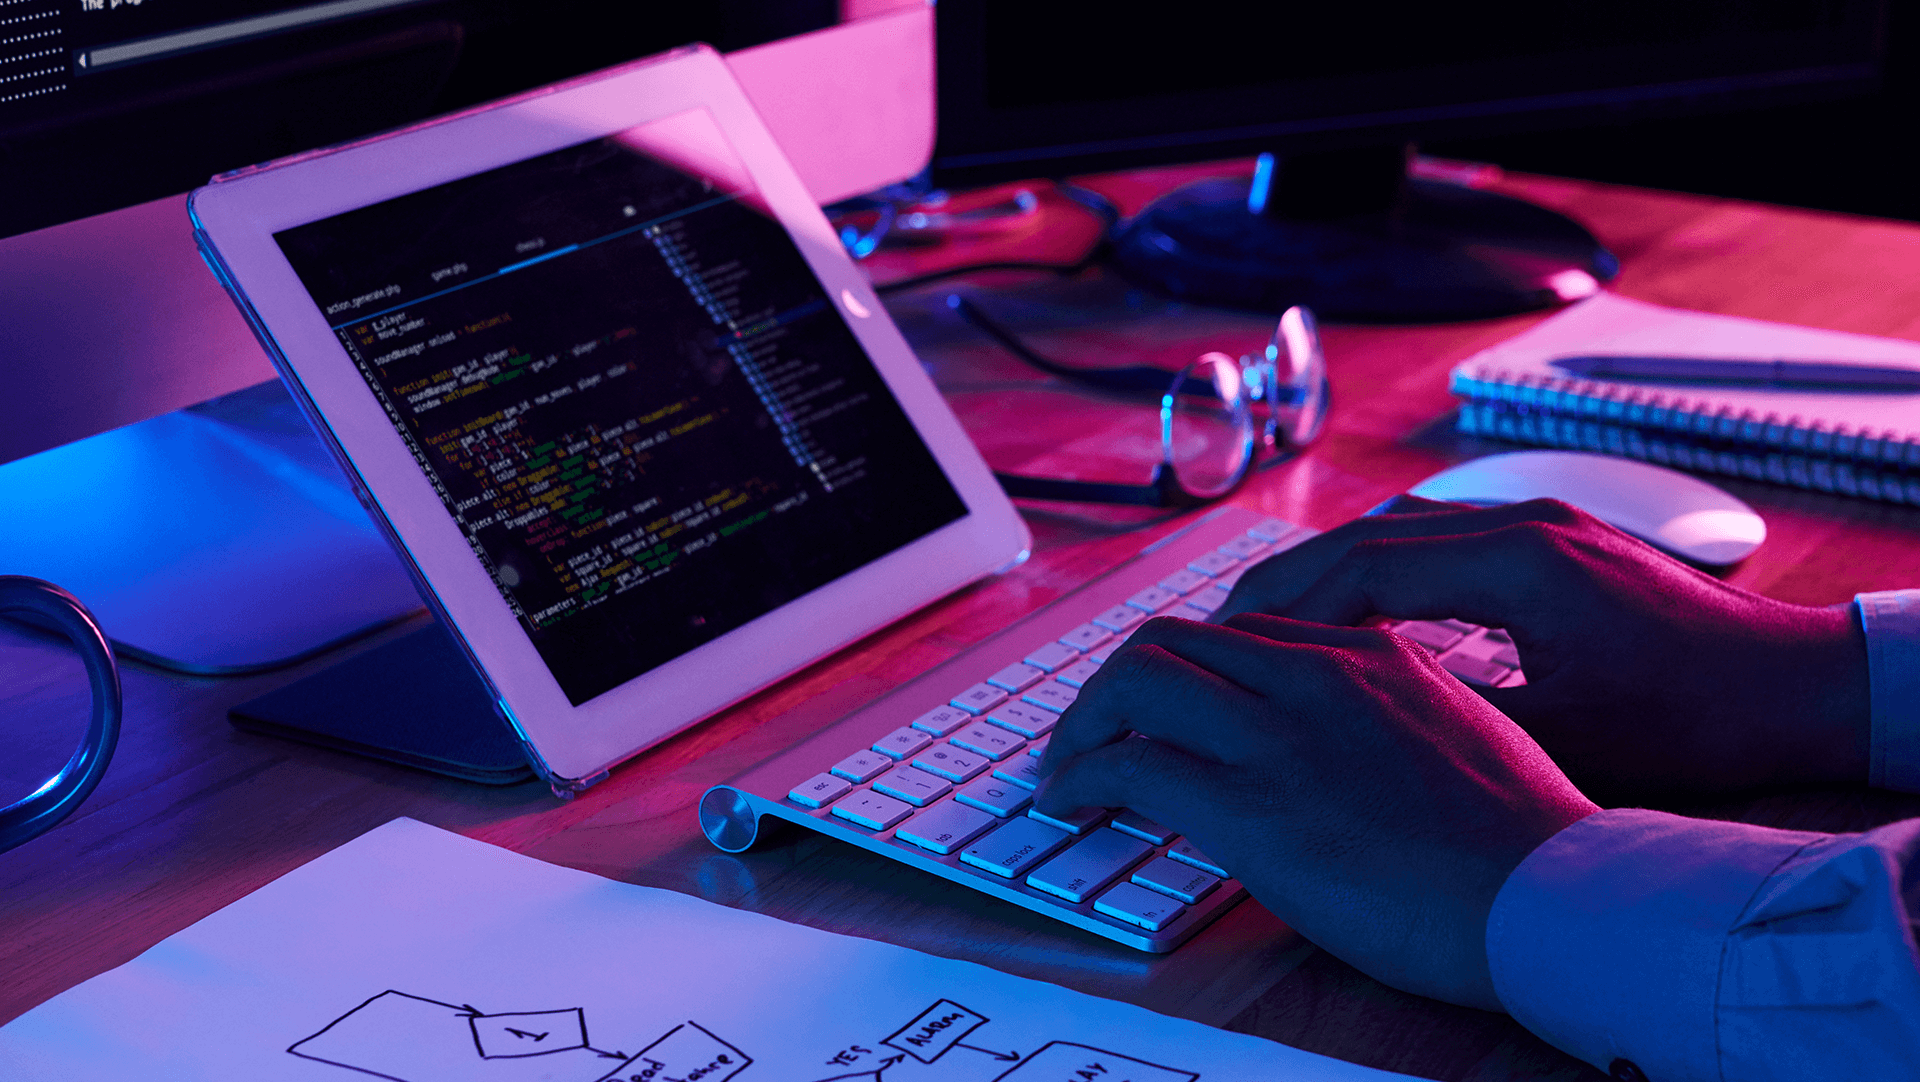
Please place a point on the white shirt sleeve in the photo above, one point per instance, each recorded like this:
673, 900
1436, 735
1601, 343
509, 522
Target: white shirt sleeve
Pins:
1892, 623
1704, 950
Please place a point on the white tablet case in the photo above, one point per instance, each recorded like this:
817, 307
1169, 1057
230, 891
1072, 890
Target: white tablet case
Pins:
690, 91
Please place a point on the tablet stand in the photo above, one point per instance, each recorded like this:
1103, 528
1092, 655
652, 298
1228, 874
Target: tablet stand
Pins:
414, 701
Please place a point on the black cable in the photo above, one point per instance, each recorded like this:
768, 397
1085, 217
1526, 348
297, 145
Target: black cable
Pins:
1063, 269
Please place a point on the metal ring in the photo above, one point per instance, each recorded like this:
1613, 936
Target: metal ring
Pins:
41, 810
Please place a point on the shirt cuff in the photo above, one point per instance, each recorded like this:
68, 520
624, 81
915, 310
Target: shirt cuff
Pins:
1891, 620
1608, 940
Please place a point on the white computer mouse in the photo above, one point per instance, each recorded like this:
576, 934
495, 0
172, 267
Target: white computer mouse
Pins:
1665, 508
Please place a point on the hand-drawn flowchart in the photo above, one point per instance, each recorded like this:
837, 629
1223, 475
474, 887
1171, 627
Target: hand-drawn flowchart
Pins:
409, 1038
947, 1026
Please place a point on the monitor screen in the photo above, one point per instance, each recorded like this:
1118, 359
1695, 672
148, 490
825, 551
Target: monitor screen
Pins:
107, 103
1031, 90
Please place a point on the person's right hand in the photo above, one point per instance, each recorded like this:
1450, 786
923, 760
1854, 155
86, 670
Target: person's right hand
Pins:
1645, 677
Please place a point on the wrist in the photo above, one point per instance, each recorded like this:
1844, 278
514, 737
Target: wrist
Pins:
1827, 739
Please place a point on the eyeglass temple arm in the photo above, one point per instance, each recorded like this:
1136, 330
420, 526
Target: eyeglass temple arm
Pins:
1136, 379
1162, 491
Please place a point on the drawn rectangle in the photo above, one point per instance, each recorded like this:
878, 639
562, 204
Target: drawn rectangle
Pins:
1062, 1061
937, 1029
528, 1033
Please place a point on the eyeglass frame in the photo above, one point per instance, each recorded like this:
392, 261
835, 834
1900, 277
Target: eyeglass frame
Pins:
1288, 426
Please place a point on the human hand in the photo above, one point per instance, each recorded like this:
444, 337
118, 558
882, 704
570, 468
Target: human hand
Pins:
1645, 677
1362, 794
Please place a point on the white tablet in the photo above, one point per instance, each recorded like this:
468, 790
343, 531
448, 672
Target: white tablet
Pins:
600, 368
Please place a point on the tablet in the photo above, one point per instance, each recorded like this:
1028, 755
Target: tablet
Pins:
603, 374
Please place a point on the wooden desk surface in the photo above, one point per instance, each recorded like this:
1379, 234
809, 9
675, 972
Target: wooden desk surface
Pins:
193, 815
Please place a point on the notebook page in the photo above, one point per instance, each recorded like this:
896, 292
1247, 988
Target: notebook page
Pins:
1608, 323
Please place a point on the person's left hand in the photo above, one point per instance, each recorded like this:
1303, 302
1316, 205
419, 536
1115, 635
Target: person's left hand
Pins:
1363, 795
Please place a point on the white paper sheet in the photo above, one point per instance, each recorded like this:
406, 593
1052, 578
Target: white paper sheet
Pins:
417, 955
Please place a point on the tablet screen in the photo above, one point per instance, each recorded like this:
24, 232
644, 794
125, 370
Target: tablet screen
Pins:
628, 389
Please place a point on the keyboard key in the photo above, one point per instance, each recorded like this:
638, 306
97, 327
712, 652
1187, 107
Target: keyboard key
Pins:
1024, 718
1434, 637
1472, 670
819, 790
1271, 529
1138, 905
992, 741
1015, 848
1052, 656
1078, 822
1176, 880
1086, 637
1132, 822
1077, 674
1121, 618
871, 810
1039, 747
1153, 599
1461, 626
979, 698
1100, 656
1091, 864
916, 787
1184, 580
1208, 600
1211, 563
901, 743
942, 720
863, 766
998, 798
1190, 854
1293, 540
945, 828
1018, 676
1190, 611
1244, 547
1021, 770
950, 762
1052, 695
1231, 577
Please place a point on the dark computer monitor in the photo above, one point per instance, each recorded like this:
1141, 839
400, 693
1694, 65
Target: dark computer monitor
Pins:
108, 103
1335, 93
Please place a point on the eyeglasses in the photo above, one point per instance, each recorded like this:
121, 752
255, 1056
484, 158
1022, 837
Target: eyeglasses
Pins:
1216, 414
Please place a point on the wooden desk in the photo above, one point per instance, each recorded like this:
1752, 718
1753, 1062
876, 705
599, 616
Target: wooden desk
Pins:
193, 815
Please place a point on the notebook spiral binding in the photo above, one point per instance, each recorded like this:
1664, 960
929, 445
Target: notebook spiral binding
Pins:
1696, 434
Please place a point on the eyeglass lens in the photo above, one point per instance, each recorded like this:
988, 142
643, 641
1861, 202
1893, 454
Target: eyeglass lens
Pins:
1207, 426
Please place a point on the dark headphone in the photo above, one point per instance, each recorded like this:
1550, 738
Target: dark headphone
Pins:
45, 605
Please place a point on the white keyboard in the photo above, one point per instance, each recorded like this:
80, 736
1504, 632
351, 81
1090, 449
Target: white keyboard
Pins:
939, 773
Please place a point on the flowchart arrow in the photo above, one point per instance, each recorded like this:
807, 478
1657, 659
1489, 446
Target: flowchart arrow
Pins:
1003, 1057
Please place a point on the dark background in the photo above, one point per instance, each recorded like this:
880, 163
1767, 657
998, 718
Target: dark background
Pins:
1854, 155
165, 128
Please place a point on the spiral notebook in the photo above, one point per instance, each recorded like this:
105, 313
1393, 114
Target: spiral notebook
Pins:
1859, 443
